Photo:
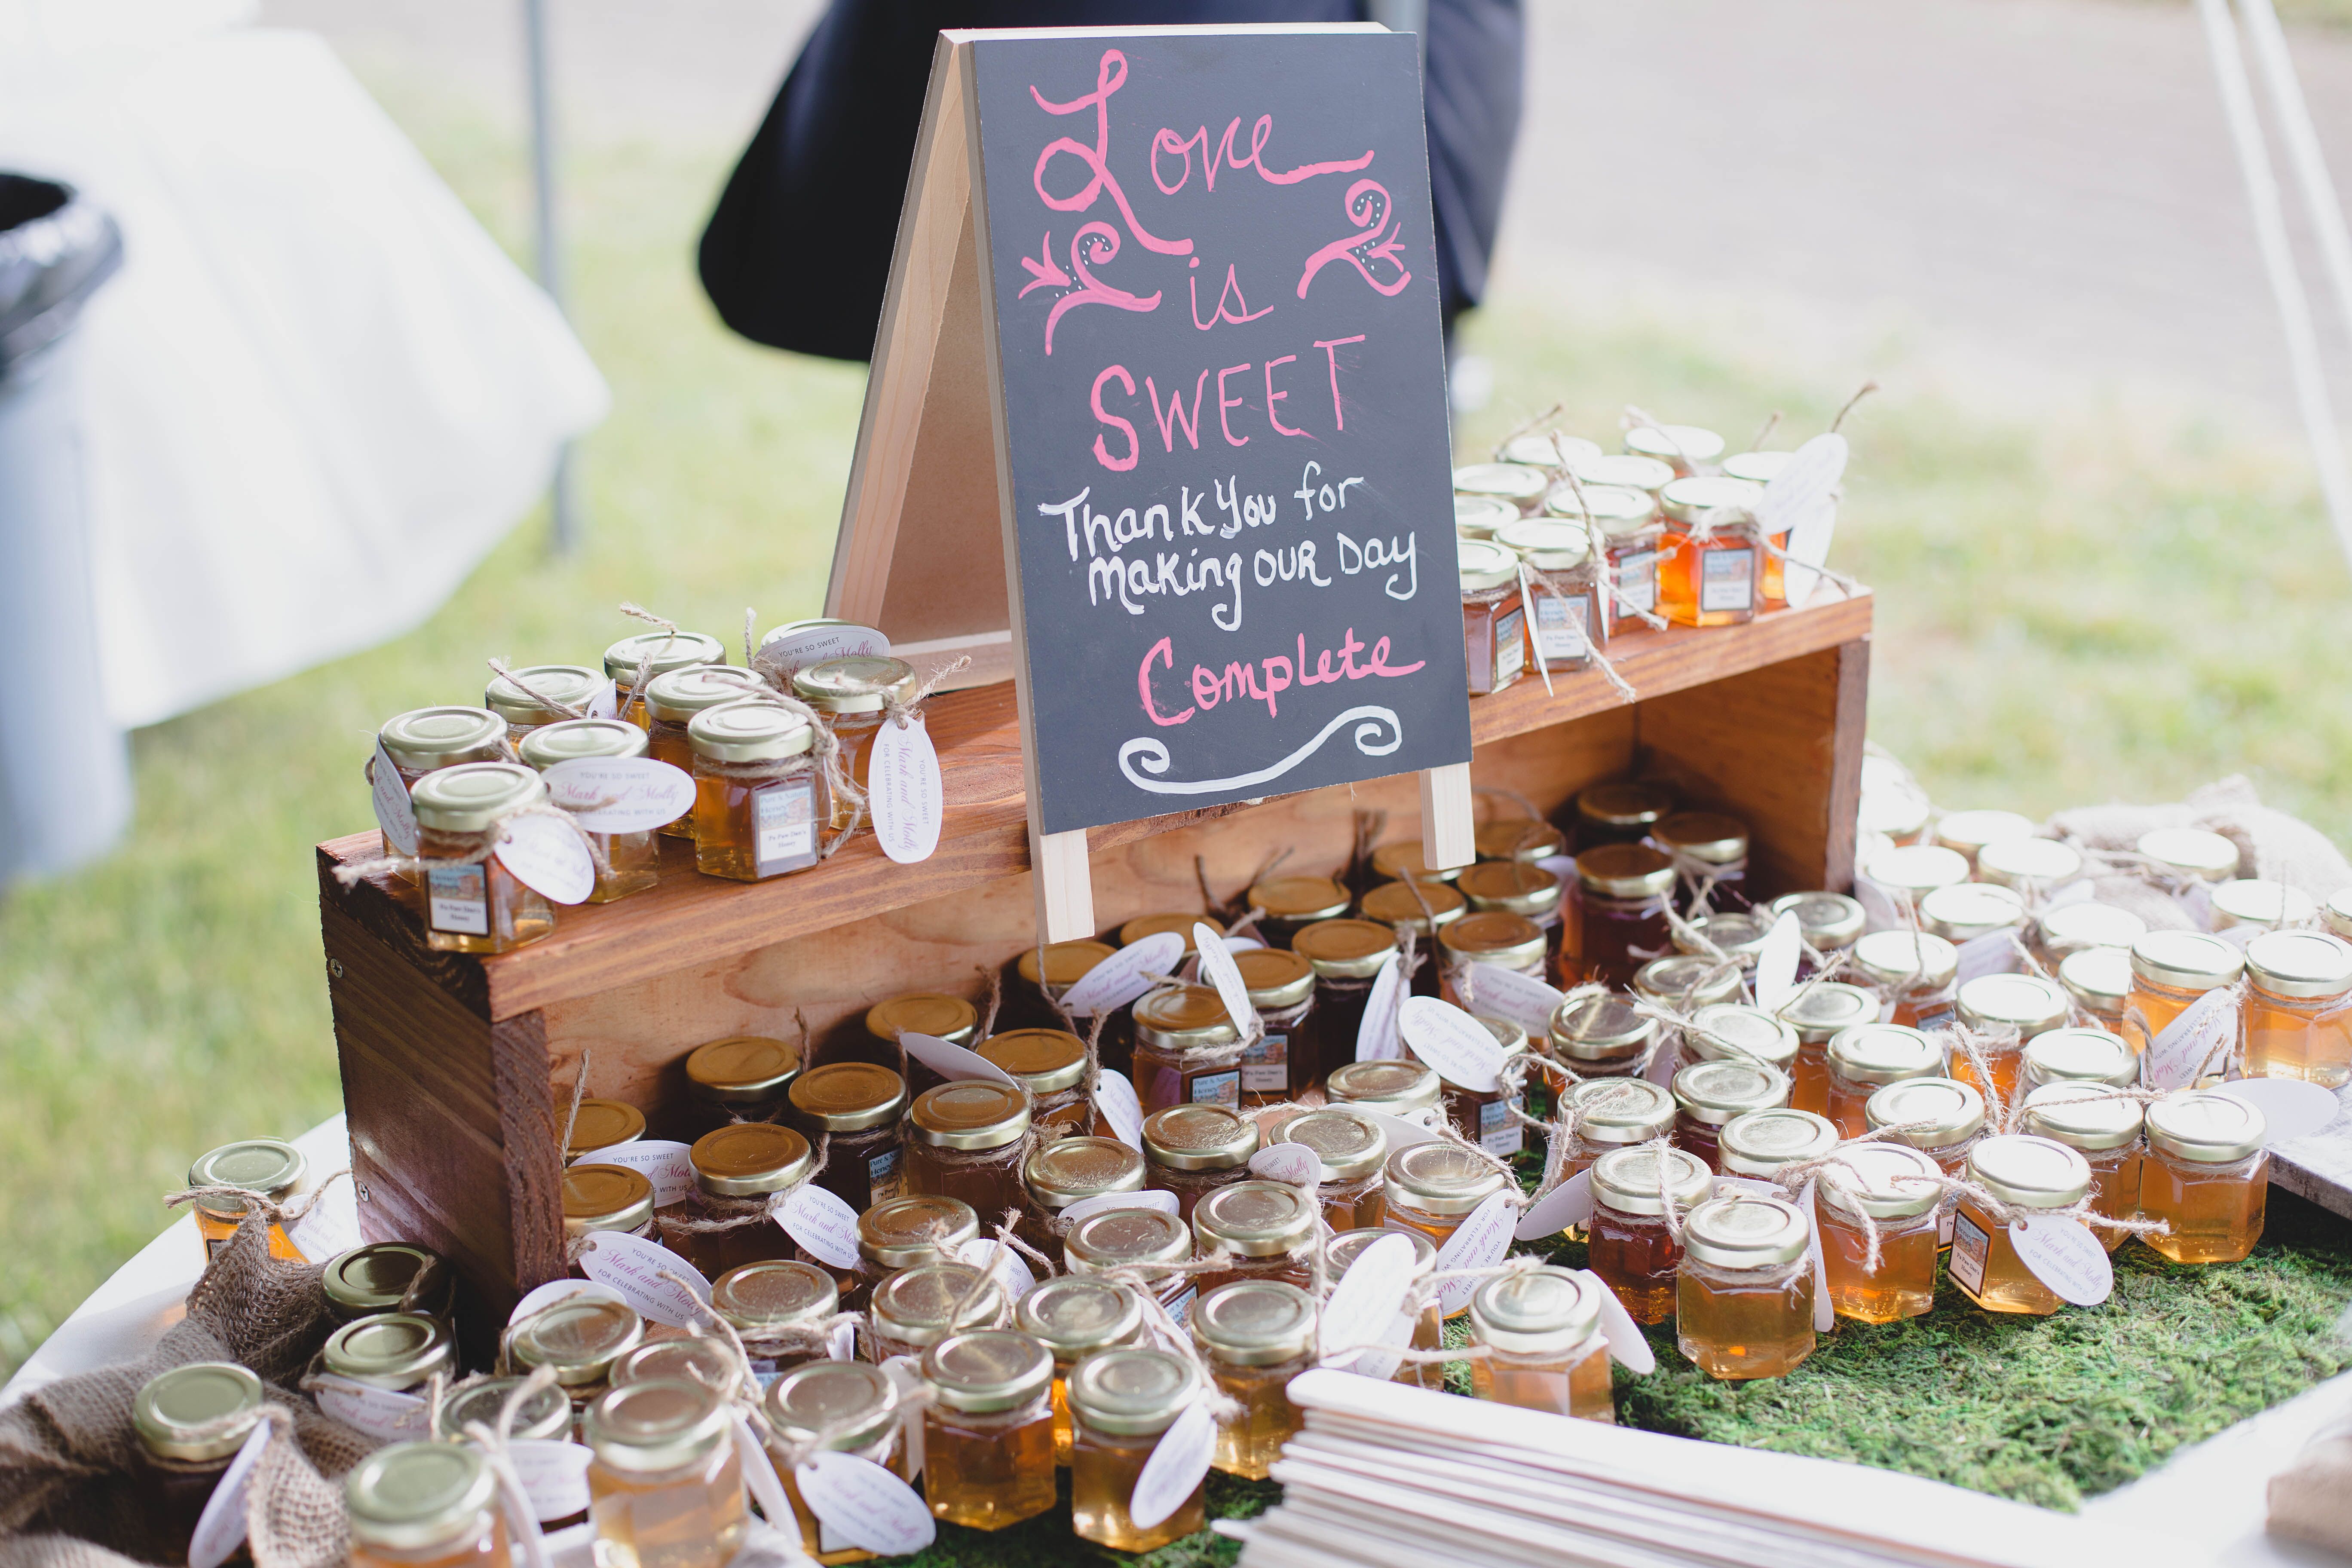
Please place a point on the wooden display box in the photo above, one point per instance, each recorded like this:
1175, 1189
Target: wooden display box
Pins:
457, 1070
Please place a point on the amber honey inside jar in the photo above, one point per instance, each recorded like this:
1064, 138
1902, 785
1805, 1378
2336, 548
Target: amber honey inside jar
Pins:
2099, 980
1352, 1154
1187, 1051
545, 1415
1493, 937
1490, 1117
670, 704
2102, 1126
2297, 1020
760, 799
2206, 1175
665, 1483
966, 1141
1257, 1334
1616, 919
1282, 989
2171, 970
603, 1124
575, 686
1626, 567
472, 902
1866, 1058
2029, 1174
1051, 1064
629, 862
1401, 860
1630, 1246
1967, 910
1432, 1187
2005, 1011
1913, 973
1709, 1094
426, 740
1819, 1013
778, 1308
851, 695
1147, 1241
424, 1505
1193, 1149
1292, 902
1070, 1170
1744, 1290
988, 1433
1562, 579
268, 1168
724, 1223
1710, 854
1514, 887
580, 1338
1422, 910
1898, 1191
1711, 562
1267, 1229
1346, 957
708, 1362
1493, 618
1074, 1318
903, 1233
740, 1078
1612, 1113
917, 1308
1122, 1403
1940, 1117
1541, 1330
189, 1423
1340, 1252
844, 1408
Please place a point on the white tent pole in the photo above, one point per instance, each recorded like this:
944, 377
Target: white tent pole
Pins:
566, 505
2303, 153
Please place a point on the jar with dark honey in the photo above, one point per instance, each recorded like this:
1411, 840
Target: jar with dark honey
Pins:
1193, 1149
1819, 1013
1346, 957
1616, 918
1529, 838
1187, 1051
1051, 1064
603, 1124
1267, 1228
1709, 1094
1622, 812
1351, 1152
1292, 902
736, 1171
740, 1078
1424, 909
1494, 937
1494, 619
1710, 851
1601, 1036
1282, 991
189, 1423
858, 1106
967, 1140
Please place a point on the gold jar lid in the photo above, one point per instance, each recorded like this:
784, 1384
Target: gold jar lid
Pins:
1617, 509
1254, 1219
659, 653
1340, 1252
1621, 1109
1393, 905
2306, 966
1477, 517
1830, 922
1949, 1110
949, 1018
1070, 1169
1885, 958
2079, 928
675, 697
1599, 1030
1071, 1316
424, 738
664, 1424
850, 1097
1712, 1093
473, 796
1116, 1238
605, 1197
1629, 1180
203, 1410
1401, 861
774, 1293
2029, 1171
2205, 1128
1519, 838
603, 1124
841, 1405
972, 1113
1066, 964
1760, 1143
745, 1070
377, 1277
2186, 960
1888, 1181
545, 1415
1627, 470
1736, 935
2250, 900
750, 732
1733, 1031
269, 1167
581, 1337
1626, 871
1274, 979
1299, 899
1132, 1393
1624, 806
2026, 1003
1494, 936
1969, 832
1349, 1146
1740, 1230
750, 1159
1880, 1053
915, 1304
707, 1360
987, 1370
1721, 503
861, 683
1917, 868
2192, 851
1512, 481
414, 1496
1966, 910
1547, 544
1045, 1061
1254, 1323
1485, 565
1756, 468
919, 1229
1686, 981
2079, 1056
1440, 1179
1544, 1311
1345, 949
1707, 837
1199, 1137
576, 684
1819, 1012
568, 739
390, 1350
2021, 863
2086, 1116
1141, 926
1396, 1085
1183, 1018
1679, 444
1513, 886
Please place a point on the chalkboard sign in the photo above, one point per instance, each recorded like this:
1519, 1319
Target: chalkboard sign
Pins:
1202, 265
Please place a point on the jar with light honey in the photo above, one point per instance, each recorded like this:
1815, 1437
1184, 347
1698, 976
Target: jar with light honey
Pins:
1613, 1113
2298, 1011
1074, 1318
1340, 1253
1898, 1191
1281, 992
707, 1360
1292, 903
2078, 1056
2028, 1173
740, 1078
1433, 1188
854, 1109
760, 799
1346, 957
1351, 1157
1733, 1031
917, 1308
672, 701
1070, 1170
1830, 922
778, 1308
546, 1416
1560, 559
425, 742
2193, 854
1150, 1243
1477, 517
1630, 1245
1912, 872
1267, 1228
1865, 1059
1122, 1403
1744, 1288
1187, 1050
1940, 1117
2011, 1009
1710, 564
838, 1406
1819, 1013
988, 1433
655, 654
580, 1338
1191, 1151
2171, 970
1424, 909
1915, 976
1601, 1036
736, 1170
1051, 1064
628, 862
665, 1481
1685, 982
1257, 1334
1709, 1094
1544, 1350
2263, 905
1710, 851
1621, 470
2206, 1175
2102, 1126
1616, 918
851, 696
268, 1168
424, 1505
1630, 532
1967, 833
1759, 1144
1494, 619
967, 1140
574, 686
1738, 937
472, 902
2098, 982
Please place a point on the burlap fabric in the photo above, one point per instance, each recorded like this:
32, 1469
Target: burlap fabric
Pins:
2307, 1502
2270, 843
69, 1494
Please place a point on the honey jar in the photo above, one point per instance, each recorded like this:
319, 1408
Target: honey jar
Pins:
1630, 1246
387, 1276
1193, 1149
2060, 933
1709, 1094
1352, 1156
1401, 860
710, 1362
2171, 970
1942, 1117
1914, 870
903, 1233
1759, 1143
2250, 901
777, 1306
1180, 923
1070, 1170
1621, 470
268, 1168
1147, 1241
1422, 908
1034, 1000
1257, 1334
1685, 982
424, 1503
2025, 1172
1733, 1031
1396, 1085
1684, 448
2206, 1175
1433, 1188
1710, 852
1617, 916
1999, 1004
1830, 922
1074, 1318
1346, 957
967, 1140
1519, 485
742, 1078
1292, 902
575, 686
1865, 1059
1966, 833
1340, 1253
395, 1351
666, 1482
1710, 564
2104, 1128
843, 1408
1613, 1113
2029, 866
1601, 1036
1477, 517
1561, 634
1187, 1051
2297, 1022
1621, 813
1490, 936
1819, 1013
1268, 1228
760, 800
1519, 838
2078, 1056
2098, 981
988, 1433
1899, 1190
852, 695
2190, 853
581, 1338
1744, 1290
1494, 619
859, 1108
1051, 1064
655, 654
670, 704
1281, 992
1544, 1350
1967, 911
1914, 975
1515, 887
472, 902
751, 1159
1631, 531
1122, 1403
918, 1308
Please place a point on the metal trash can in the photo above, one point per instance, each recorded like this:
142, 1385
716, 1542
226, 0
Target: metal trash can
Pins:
65, 772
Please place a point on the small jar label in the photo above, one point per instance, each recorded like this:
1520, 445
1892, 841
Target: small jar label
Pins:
1727, 580
1265, 1065
882, 1177
1179, 1305
554, 1476
1510, 648
1561, 627
456, 899
1970, 1246
1637, 579
1497, 1132
1217, 1089
783, 826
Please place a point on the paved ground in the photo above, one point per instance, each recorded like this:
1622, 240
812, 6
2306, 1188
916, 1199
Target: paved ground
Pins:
2042, 183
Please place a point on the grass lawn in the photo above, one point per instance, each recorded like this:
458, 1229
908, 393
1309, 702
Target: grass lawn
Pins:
2070, 609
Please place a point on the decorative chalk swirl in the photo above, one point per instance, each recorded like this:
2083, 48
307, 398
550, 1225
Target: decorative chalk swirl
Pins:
1148, 752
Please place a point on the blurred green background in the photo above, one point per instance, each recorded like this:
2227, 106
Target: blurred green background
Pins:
2074, 602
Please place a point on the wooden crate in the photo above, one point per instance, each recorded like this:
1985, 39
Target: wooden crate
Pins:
456, 1069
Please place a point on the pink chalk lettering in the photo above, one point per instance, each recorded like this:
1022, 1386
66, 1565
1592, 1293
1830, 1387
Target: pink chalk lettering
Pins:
1097, 243
1165, 139
1331, 348
1111, 75
1134, 446
1232, 290
1164, 650
1368, 205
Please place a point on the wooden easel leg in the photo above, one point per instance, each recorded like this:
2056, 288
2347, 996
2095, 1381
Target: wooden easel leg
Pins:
1066, 891
1449, 834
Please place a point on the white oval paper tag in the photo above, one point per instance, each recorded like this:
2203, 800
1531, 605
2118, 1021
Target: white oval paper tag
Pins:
1148, 1198
2291, 1108
661, 1161
1011, 1270
637, 794
903, 791
1363, 1306
906, 1375
1776, 963
1218, 965
1376, 1035
825, 1225
1480, 1242
1627, 1346
796, 651
1494, 992
547, 855
1292, 1163
2064, 1256
1179, 1462
1802, 501
2196, 1043
1120, 1109
864, 1504
1571, 1203
554, 1476
555, 1290
1824, 1309
606, 703
759, 1470
393, 815
950, 1061
630, 1263
1120, 979
1242, 943
382, 1413
1464, 1051
220, 1529
1402, 1132
1560, 866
